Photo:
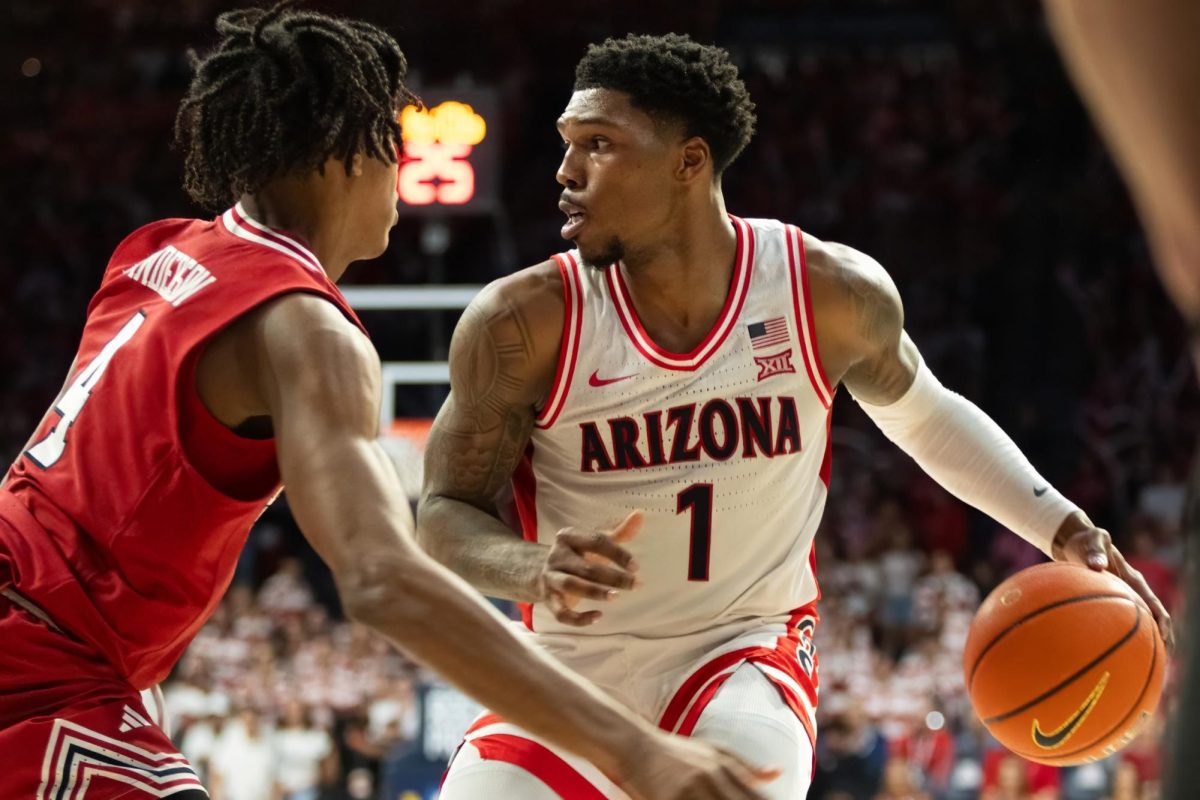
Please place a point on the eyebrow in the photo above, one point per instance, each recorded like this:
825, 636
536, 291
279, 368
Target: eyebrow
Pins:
586, 119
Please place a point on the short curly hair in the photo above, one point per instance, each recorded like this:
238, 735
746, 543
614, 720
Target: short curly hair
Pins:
676, 78
286, 89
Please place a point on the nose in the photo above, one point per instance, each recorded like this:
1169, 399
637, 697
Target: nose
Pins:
569, 174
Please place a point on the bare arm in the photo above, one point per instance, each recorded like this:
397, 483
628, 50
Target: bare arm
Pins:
1138, 68
320, 381
502, 362
951, 438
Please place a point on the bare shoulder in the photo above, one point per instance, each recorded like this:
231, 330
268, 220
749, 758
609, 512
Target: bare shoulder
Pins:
297, 342
309, 333
855, 302
510, 333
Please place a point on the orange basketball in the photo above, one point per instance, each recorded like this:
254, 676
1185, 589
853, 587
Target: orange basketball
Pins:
1064, 665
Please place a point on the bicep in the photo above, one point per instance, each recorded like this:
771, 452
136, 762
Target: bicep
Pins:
883, 377
320, 380
873, 321
483, 428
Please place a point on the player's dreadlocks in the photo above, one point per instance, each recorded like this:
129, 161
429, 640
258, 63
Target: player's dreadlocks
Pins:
680, 80
285, 90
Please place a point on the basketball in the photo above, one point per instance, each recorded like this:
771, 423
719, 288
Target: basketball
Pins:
1064, 665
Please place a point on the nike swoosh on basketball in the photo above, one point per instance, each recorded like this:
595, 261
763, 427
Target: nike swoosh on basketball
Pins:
596, 380
1058, 737
1039, 492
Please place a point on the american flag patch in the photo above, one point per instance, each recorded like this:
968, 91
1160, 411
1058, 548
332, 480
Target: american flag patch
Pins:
768, 333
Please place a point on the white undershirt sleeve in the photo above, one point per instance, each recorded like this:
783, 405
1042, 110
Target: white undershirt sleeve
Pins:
965, 451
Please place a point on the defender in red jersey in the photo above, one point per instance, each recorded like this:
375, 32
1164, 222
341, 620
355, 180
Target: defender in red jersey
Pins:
218, 363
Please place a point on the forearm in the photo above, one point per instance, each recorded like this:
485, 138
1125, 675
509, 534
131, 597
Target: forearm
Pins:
480, 548
386, 582
967, 453
441, 622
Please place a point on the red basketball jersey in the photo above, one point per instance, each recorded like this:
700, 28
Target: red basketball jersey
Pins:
126, 515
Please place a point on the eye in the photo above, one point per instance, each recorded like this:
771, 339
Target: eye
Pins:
599, 142
565, 145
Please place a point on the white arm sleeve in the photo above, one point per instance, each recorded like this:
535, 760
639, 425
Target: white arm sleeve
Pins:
967, 453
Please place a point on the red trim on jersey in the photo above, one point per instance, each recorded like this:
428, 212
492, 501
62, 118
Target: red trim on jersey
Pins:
279, 237
783, 657
808, 310
484, 721
525, 496
801, 713
568, 351
559, 776
695, 682
739, 288
804, 319
706, 696
827, 461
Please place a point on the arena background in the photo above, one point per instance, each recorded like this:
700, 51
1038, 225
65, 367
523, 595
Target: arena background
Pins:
940, 137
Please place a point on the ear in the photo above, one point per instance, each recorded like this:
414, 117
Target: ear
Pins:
695, 160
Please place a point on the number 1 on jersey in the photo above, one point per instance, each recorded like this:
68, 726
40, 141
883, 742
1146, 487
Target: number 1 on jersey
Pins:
698, 498
50, 449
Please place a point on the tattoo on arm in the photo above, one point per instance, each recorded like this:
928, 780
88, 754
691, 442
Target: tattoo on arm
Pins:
889, 358
481, 434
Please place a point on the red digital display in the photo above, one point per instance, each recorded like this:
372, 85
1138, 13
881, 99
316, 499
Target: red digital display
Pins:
448, 164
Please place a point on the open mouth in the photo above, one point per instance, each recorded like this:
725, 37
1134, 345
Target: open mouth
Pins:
571, 229
575, 219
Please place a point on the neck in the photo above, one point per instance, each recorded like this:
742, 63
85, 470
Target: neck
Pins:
289, 207
679, 285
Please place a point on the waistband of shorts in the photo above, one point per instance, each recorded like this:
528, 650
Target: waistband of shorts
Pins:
20, 600
16, 519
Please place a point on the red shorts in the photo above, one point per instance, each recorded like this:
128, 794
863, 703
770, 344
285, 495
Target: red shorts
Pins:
71, 728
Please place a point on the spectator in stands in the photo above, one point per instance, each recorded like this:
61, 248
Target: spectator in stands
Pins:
243, 760
899, 783
304, 754
1008, 777
851, 754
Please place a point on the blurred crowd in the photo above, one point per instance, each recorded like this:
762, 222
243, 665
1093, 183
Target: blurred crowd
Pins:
939, 137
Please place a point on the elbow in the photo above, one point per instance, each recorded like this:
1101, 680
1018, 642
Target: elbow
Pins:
428, 534
371, 591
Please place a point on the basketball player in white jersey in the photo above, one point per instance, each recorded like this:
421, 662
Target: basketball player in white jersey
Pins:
659, 400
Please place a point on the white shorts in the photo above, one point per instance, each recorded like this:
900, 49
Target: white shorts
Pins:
754, 694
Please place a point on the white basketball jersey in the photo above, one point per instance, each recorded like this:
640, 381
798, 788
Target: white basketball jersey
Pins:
725, 448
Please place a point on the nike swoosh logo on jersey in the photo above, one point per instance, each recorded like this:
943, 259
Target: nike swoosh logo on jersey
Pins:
1058, 737
596, 380
1041, 491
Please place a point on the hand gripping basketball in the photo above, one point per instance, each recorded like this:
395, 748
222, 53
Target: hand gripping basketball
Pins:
587, 564
1093, 547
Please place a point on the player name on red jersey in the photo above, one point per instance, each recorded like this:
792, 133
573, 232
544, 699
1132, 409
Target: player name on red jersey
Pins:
747, 426
173, 274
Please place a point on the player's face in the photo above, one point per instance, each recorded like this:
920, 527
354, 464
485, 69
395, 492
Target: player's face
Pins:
373, 197
618, 176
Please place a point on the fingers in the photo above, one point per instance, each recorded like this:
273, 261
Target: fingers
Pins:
1096, 549
1137, 582
564, 583
629, 527
595, 542
738, 778
734, 781
567, 615
1088, 546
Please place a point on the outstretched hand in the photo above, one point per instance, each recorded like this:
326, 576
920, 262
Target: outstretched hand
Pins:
1081, 542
